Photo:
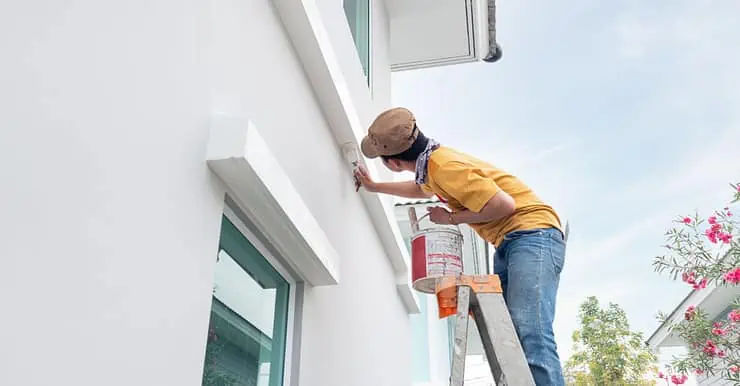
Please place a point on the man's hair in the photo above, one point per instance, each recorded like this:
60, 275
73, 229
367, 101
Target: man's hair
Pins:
412, 153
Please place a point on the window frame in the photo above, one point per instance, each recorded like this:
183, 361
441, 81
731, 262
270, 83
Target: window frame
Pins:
369, 78
231, 215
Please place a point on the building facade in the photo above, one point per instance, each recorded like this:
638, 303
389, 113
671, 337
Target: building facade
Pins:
177, 206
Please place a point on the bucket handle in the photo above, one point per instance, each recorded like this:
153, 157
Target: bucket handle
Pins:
415, 222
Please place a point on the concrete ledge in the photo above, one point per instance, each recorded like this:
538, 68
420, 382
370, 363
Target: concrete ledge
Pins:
408, 296
240, 157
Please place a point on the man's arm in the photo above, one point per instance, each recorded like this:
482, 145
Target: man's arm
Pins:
483, 200
407, 189
499, 206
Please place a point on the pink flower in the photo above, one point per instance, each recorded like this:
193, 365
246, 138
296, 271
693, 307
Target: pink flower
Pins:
661, 375
724, 237
721, 354
715, 233
711, 236
686, 220
734, 315
733, 369
710, 349
679, 380
729, 214
701, 284
712, 220
690, 312
689, 278
699, 371
718, 331
733, 276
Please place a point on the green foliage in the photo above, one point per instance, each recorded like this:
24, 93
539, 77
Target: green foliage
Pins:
605, 351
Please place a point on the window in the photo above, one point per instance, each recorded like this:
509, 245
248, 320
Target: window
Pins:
249, 316
358, 17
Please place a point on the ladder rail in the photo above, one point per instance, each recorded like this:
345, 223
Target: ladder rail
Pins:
500, 341
457, 374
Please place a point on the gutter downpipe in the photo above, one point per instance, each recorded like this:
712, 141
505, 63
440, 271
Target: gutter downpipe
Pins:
494, 50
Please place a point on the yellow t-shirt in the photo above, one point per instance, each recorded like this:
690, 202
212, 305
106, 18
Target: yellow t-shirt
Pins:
468, 183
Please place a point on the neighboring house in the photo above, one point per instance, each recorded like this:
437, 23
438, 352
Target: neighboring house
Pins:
176, 205
716, 302
433, 337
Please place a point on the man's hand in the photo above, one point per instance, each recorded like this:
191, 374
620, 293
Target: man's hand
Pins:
407, 189
364, 177
440, 215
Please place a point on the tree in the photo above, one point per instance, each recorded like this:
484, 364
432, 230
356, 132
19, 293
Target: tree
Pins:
605, 351
705, 253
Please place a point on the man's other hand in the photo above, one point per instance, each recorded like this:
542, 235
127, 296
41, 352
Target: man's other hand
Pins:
439, 215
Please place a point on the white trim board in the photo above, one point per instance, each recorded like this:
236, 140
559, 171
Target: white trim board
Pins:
240, 157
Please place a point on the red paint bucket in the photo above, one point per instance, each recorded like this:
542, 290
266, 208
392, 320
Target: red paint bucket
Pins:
435, 253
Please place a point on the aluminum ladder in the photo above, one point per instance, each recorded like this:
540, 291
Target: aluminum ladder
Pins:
481, 296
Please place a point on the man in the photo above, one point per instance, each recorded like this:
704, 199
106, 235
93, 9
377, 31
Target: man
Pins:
530, 247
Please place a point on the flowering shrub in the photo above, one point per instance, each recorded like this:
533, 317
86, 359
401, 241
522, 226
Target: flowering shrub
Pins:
700, 253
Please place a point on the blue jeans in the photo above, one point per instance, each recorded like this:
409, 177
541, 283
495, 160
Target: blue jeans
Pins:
529, 263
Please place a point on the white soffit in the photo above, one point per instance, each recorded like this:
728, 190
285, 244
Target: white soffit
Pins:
428, 33
240, 157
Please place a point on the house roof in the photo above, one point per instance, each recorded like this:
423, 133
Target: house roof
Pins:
714, 300
653, 340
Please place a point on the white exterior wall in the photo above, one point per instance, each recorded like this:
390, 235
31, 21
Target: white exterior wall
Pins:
109, 218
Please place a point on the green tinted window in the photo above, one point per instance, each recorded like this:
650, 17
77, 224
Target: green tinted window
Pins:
358, 17
247, 332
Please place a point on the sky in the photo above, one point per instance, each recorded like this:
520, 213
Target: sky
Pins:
621, 115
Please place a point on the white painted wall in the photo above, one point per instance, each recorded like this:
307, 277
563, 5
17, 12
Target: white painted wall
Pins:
109, 218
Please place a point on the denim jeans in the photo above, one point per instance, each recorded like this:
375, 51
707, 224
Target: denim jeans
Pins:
529, 263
